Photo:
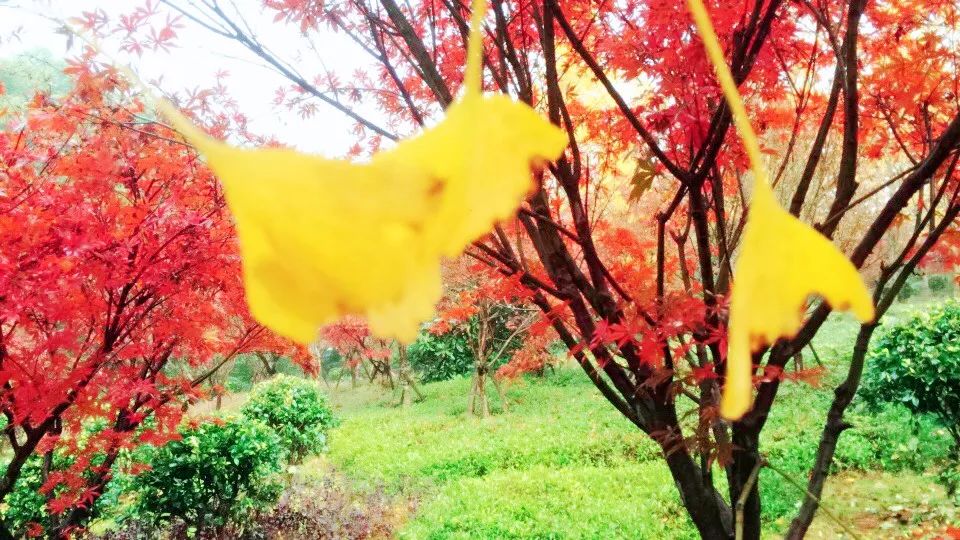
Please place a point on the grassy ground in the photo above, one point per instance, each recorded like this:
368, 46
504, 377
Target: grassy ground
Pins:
562, 463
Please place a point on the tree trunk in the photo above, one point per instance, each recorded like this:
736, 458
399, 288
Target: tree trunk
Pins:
408, 386
15, 465
706, 508
740, 477
473, 395
481, 404
835, 425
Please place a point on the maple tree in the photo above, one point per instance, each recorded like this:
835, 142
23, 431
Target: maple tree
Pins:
351, 337
491, 313
633, 272
120, 291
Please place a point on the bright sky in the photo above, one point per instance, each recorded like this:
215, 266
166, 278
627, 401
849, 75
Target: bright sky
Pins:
200, 54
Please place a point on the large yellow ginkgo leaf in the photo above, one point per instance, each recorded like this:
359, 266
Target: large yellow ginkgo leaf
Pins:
324, 238
782, 260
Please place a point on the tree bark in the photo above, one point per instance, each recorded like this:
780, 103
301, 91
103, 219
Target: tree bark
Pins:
831, 434
704, 505
745, 459
408, 386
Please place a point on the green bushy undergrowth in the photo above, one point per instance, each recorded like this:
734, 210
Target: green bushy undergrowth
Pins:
562, 463
224, 472
216, 476
939, 283
26, 505
296, 410
915, 365
435, 442
626, 501
25, 508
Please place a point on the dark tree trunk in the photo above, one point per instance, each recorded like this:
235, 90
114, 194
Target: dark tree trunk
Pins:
706, 508
835, 425
745, 461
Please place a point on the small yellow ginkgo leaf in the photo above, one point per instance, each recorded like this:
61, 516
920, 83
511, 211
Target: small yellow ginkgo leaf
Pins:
324, 238
782, 260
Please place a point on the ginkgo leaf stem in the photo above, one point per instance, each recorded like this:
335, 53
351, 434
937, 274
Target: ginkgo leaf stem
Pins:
474, 71
730, 92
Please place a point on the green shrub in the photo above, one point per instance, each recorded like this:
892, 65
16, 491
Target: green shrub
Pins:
296, 410
917, 364
215, 476
911, 287
25, 508
25, 505
938, 283
440, 357
331, 361
949, 477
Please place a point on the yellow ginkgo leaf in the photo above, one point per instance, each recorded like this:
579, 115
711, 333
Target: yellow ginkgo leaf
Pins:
324, 238
782, 260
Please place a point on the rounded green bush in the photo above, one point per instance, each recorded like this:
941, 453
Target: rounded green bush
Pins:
917, 364
938, 283
441, 357
296, 410
908, 291
215, 476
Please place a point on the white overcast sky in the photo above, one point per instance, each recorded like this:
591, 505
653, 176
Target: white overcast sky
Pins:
197, 58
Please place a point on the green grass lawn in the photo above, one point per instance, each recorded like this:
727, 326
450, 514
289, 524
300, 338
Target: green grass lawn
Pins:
562, 463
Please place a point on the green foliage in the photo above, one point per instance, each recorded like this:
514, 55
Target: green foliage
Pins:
30, 72
25, 505
331, 361
881, 439
218, 474
449, 355
296, 410
247, 368
949, 477
440, 357
908, 291
562, 446
917, 364
939, 283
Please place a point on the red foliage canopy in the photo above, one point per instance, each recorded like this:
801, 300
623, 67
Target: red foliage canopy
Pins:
119, 277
